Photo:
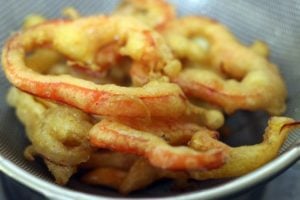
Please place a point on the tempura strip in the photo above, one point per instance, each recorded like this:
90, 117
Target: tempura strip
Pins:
118, 137
245, 159
252, 83
158, 99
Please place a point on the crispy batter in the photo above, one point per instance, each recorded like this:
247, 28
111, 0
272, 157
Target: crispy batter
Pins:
253, 83
33, 20
64, 142
260, 48
140, 175
155, 13
58, 134
116, 83
85, 95
118, 137
245, 159
61, 173
70, 13
28, 110
174, 132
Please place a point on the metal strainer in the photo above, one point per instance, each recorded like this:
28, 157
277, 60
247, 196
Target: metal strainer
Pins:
276, 22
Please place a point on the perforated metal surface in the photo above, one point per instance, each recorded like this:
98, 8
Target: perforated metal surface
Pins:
276, 22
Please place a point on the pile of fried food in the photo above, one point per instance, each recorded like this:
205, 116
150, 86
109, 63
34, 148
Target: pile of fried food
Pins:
139, 95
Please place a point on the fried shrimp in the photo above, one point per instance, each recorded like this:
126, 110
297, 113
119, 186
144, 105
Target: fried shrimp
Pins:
154, 13
137, 96
252, 82
155, 99
62, 143
245, 159
118, 137
97, 99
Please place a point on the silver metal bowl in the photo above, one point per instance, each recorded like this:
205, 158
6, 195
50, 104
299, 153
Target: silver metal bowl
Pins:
275, 22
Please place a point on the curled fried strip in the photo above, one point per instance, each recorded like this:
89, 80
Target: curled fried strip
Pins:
118, 137
236, 78
245, 159
253, 83
154, 99
62, 142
